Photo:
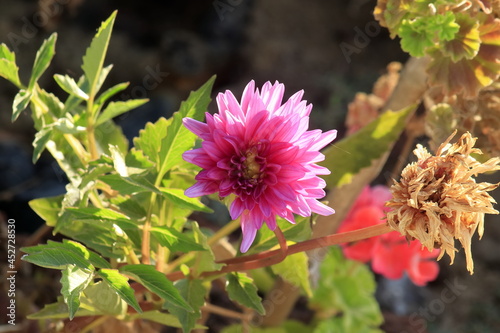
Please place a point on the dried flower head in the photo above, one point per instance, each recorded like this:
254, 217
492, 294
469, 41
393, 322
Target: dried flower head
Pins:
438, 200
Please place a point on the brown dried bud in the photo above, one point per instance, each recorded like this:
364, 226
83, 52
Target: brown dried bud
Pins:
437, 199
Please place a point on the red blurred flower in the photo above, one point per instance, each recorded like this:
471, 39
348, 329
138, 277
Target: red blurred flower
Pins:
390, 254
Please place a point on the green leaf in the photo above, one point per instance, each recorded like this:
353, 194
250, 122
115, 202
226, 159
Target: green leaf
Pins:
41, 139
21, 101
110, 92
174, 240
240, 288
42, 59
179, 138
9, 71
58, 310
93, 60
7, 54
76, 248
150, 138
119, 283
117, 108
57, 258
101, 299
346, 287
357, 151
97, 213
109, 133
73, 281
70, 86
295, 270
166, 319
47, 208
53, 103
155, 282
194, 292
297, 232
204, 261
129, 206
177, 197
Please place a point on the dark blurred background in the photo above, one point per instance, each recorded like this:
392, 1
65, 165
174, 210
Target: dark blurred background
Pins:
331, 49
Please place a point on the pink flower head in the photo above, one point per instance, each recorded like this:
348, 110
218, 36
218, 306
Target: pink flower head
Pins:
260, 151
390, 254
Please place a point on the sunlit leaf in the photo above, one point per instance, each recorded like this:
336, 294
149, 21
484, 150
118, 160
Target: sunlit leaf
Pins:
348, 156
241, 289
156, 282
119, 283
74, 280
93, 60
42, 59
193, 292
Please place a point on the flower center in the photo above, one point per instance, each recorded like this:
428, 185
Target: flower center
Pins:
251, 168
248, 171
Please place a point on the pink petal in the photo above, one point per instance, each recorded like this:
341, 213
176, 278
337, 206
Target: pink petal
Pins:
195, 126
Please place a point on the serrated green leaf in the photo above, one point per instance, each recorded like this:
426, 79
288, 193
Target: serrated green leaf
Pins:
74, 247
42, 60
10, 71
117, 108
48, 208
357, 151
194, 292
93, 233
7, 54
150, 138
73, 281
295, 270
21, 101
240, 288
179, 138
119, 283
177, 197
174, 240
57, 259
156, 282
69, 85
110, 92
93, 60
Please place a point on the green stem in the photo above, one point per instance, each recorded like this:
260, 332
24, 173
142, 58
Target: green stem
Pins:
221, 233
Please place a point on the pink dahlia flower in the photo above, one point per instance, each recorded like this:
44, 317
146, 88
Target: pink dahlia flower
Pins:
260, 151
390, 254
